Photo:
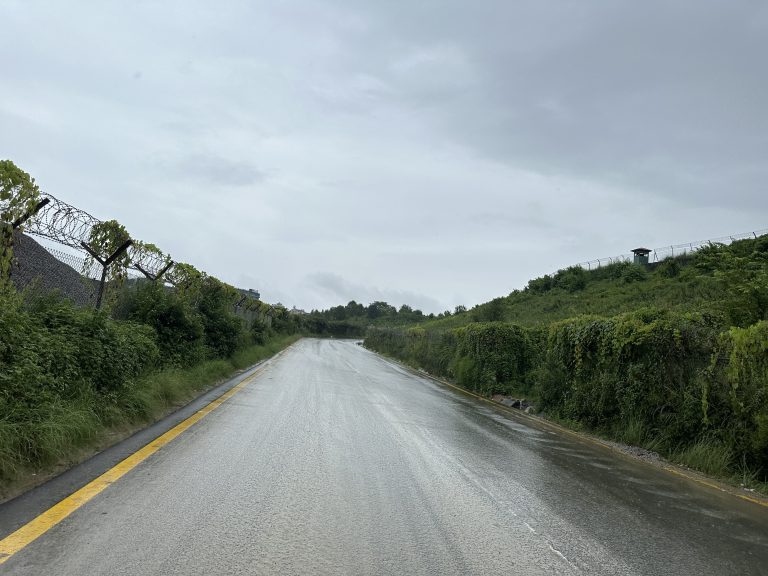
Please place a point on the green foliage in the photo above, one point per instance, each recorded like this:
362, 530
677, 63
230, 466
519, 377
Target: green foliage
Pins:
492, 358
188, 281
260, 331
67, 372
221, 328
572, 279
104, 240
735, 396
493, 311
178, 327
484, 357
669, 267
18, 197
352, 320
710, 456
48, 343
641, 367
380, 309
634, 273
687, 376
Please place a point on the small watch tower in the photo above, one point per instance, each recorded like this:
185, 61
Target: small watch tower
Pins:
641, 256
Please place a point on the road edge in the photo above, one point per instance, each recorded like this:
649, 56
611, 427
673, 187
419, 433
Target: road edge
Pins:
18, 511
661, 464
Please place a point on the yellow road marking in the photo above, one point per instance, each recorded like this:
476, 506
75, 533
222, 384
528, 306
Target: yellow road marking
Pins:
578, 436
14, 542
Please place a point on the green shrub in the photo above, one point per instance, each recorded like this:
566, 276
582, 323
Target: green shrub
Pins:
178, 328
643, 366
66, 373
222, 329
492, 358
634, 273
735, 397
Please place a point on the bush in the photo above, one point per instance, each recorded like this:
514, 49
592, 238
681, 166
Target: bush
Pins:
634, 273
492, 358
221, 328
641, 367
735, 397
59, 366
178, 328
669, 268
571, 279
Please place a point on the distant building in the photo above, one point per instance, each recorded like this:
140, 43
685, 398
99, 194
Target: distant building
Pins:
297, 311
641, 255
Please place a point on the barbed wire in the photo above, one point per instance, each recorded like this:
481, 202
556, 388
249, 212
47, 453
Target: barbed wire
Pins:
62, 223
57, 222
659, 254
148, 262
70, 226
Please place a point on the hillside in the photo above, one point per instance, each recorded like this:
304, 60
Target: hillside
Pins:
729, 280
672, 357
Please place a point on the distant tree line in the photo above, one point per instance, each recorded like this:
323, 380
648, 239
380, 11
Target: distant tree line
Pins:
352, 320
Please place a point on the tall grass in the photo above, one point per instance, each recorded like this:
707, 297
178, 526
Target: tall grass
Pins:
58, 429
706, 455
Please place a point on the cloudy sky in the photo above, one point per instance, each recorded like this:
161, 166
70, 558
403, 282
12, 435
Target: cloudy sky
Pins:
436, 152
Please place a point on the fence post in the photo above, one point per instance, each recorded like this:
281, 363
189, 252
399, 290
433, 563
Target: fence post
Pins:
154, 277
105, 265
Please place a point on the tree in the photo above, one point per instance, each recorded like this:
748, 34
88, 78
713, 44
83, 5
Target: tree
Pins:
338, 313
187, 279
19, 196
221, 327
355, 309
108, 245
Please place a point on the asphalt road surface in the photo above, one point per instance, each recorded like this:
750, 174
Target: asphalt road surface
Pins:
336, 461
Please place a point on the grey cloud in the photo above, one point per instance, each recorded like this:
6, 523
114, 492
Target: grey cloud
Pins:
666, 98
342, 291
441, 147
211, 169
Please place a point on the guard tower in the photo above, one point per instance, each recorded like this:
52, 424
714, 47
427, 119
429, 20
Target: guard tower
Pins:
641, 256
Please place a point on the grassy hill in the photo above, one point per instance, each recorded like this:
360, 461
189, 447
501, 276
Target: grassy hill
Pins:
729, 280
673, 357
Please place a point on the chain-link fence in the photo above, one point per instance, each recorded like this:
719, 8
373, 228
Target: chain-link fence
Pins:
659, 254
50, 269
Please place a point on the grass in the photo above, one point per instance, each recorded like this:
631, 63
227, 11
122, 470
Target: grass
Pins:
708, 456
58, 431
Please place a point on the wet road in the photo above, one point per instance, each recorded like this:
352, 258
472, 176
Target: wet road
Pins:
335, 461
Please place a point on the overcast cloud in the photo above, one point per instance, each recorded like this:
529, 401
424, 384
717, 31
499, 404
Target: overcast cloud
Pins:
433, 152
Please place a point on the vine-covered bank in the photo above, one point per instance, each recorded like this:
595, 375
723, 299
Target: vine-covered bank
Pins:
689, 380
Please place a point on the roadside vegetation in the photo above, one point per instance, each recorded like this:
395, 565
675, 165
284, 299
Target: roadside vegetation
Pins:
69, 375
672, 357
